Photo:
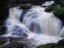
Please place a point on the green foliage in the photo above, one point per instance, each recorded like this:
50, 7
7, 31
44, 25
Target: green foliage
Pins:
59, 11
52, 7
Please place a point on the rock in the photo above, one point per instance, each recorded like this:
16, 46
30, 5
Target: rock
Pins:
59, 12
2, 42
22, 16
14, 45
3, 30
51, 8
4, 12
60, 43
51, 45
61, 2
12, 3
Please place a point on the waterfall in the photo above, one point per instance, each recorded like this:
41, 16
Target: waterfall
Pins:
48, 3
14, 26
45, 26
39, 21
38, 25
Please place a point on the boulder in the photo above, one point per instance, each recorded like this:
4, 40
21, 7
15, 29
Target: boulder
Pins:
61, 2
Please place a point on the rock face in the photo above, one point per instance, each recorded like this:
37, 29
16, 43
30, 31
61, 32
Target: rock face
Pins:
59, 12
10, 3
61, 2
3, 16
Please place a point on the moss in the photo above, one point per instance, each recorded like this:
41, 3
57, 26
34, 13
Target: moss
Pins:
60, 44
59, 11
52, 7
50, 46
26, 6
46, 46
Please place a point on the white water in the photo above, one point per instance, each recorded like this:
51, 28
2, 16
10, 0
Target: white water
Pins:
38, 25
37, 20
48, 3
45, 26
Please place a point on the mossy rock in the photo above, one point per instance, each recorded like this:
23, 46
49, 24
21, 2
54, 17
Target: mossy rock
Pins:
59, 12
25, 6
2, 42
61, 2
51, 7
47, 46
61, 43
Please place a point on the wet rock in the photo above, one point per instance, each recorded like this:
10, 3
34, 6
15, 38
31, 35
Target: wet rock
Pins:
51, 8
22, 16
59, 12
60, 43
3, 30
11, 3
14, 45
51, 45
61, 2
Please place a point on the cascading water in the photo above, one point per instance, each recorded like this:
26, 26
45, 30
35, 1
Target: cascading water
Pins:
15, 27
45, 25
37, 24
37, 20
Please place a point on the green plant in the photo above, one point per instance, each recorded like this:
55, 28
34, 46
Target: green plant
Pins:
59, 11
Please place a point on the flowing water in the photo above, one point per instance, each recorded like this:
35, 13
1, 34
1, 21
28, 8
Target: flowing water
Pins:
38, 25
